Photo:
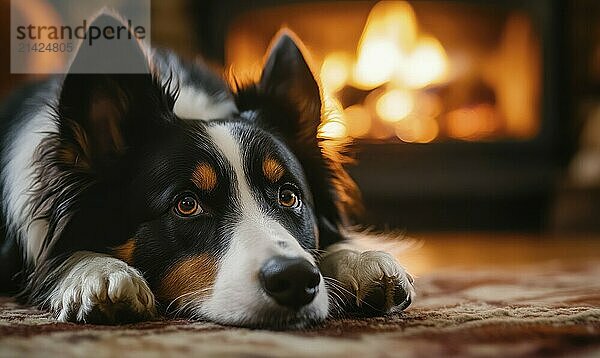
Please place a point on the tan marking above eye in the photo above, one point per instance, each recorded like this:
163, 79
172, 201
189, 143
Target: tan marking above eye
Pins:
272, 169
125, 252
205, 177
193, 274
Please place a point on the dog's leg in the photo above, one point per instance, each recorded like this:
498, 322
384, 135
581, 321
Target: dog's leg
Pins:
94, 288
367, 282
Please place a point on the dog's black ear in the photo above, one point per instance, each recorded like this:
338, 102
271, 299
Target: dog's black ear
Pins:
287, 101
286, 75
108, 99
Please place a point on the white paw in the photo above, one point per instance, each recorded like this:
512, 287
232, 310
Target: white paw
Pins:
100, 289
370, 282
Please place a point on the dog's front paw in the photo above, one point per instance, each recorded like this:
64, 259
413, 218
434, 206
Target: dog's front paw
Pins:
369, 282
103, 290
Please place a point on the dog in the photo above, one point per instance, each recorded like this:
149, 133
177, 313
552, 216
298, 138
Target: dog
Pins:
171, 192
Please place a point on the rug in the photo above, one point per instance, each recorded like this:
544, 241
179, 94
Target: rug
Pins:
547, 309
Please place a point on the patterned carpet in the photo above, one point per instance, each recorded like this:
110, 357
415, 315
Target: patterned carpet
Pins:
542, 310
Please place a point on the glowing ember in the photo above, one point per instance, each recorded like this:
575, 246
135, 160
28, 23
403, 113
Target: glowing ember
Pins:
472, 123
395, 105
417, 130
427, 105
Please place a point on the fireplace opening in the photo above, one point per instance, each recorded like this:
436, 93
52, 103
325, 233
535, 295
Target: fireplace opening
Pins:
416, 72
454, 108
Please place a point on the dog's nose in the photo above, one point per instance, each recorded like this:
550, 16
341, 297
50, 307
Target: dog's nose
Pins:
291, 282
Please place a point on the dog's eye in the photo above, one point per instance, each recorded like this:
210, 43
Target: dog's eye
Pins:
188, 205
288, 196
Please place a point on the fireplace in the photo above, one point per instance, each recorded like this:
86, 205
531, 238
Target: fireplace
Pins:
453, 106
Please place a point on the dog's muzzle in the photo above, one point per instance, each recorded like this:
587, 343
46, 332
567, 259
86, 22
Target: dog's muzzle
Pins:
291, 282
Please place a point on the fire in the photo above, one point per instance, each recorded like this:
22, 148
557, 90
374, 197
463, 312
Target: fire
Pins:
389, 33
335, 71
376, 63
426, 64
400, 81
391, 53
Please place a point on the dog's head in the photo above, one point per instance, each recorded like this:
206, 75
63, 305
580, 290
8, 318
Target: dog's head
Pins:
223, 217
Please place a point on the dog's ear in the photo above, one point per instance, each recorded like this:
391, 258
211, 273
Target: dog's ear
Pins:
108, 99
286, 75
287, 101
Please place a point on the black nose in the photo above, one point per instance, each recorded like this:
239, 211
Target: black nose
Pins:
292, 282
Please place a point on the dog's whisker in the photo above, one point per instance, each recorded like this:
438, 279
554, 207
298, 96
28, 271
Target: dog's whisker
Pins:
197, 296
338, 284
176, 299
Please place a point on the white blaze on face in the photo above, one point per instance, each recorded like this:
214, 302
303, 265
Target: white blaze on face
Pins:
237, 296
194, 103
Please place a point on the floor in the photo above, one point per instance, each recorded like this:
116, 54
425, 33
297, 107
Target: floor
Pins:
478, 295
433, 252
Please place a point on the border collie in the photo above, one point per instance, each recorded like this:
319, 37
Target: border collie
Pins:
127, 196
